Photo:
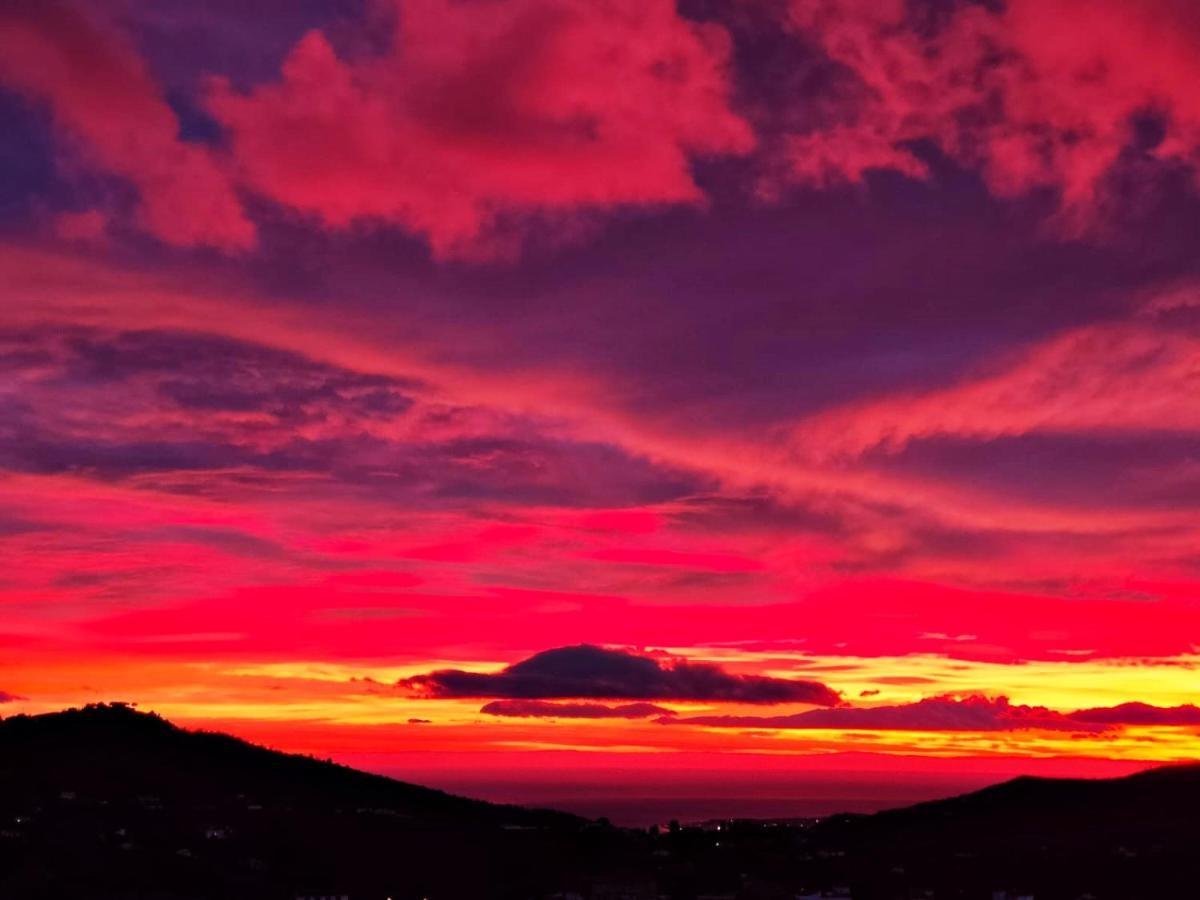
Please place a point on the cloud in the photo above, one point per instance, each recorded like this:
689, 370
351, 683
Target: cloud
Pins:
1139, 470
479, 115
101, 93
244, 405
88, 226
1109, 378
951, 713
587, 671
945, 713
540, 709
1031, 94
474, 121
648, 556
1140, 714
6, 697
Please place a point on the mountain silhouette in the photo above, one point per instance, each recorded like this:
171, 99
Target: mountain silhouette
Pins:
109, 803
1121, 838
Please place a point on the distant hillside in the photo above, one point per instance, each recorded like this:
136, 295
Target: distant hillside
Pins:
109, 802
104, 750
1117, 838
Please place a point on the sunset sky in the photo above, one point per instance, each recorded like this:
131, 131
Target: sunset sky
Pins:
536, 388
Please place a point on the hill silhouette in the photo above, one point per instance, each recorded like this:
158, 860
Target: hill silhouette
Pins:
111, 748
1127, 837
106, 801
111, 803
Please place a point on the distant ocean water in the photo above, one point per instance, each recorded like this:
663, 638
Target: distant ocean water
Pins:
636, 802
639, 790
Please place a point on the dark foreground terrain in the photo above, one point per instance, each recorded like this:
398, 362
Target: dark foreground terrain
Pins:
108, 802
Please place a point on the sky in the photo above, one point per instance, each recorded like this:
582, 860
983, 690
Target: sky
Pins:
510, 393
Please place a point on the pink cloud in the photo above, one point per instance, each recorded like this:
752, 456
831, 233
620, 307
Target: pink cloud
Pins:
635, 521
946, 713
89, 226
1113, 377
650, 556
102, 94
481, 114
1032, 94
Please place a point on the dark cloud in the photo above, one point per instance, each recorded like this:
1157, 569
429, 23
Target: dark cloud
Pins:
6, 697
236, 405
973, 713
587, 671
228, 540
553, 472
524, 471
46, 454
222, 374
541, 709
1140, 714
13, 525
1138, 470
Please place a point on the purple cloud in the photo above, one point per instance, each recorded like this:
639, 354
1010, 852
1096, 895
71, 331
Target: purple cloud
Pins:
587, 671
946, 713
540, 709
1140, 714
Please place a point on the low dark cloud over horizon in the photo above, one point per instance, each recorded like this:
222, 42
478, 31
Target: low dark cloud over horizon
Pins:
540, 709
588, 671
951, 713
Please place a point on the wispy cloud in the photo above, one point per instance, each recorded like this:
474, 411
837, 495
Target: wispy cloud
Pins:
541, 709
951, 713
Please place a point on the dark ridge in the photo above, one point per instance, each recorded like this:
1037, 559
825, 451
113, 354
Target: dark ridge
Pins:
106, 748
109, 803
1117, 838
